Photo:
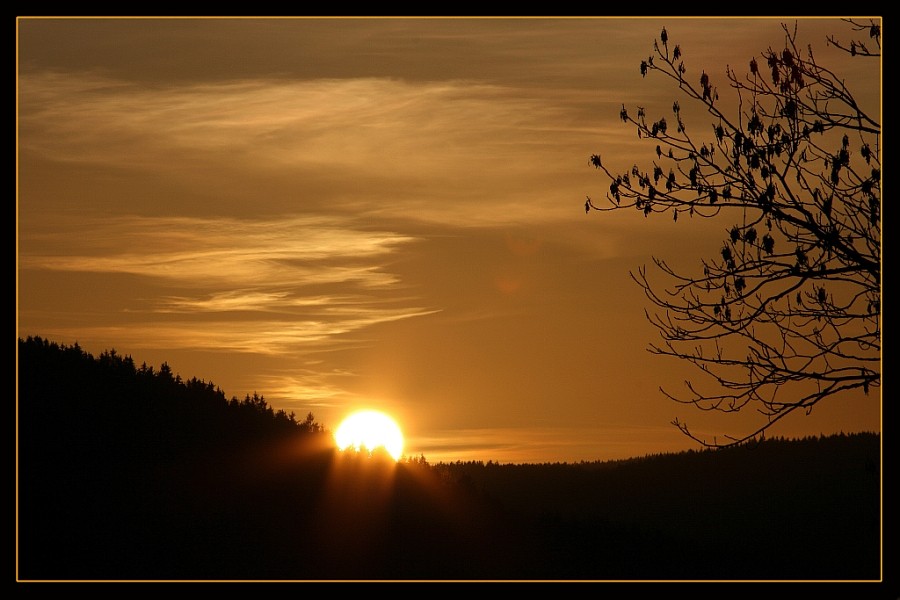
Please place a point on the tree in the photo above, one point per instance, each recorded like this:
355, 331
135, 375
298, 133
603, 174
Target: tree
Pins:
787, 311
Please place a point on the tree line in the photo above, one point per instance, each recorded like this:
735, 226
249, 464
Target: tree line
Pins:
57, 379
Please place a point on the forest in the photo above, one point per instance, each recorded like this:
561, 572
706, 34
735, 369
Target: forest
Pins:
132, 473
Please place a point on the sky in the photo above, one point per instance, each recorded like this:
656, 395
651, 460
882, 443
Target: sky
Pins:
382, 213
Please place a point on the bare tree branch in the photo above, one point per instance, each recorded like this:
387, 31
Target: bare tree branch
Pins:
787, 312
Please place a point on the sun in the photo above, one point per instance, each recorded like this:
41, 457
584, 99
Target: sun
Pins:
370, 429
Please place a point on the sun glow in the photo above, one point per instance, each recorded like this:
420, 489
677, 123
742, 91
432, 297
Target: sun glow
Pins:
370, 430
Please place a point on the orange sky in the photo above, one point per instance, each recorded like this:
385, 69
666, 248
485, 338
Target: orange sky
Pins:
379, 213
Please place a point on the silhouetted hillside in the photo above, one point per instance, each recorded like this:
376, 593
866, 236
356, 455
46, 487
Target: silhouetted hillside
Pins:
798, 509
128, 472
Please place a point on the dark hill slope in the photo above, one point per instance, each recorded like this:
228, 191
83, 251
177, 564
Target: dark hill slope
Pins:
781, 509
126, 472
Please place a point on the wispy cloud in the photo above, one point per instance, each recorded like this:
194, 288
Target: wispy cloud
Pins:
87, 118
311, 389
429, 150
265, 337
255, 300
268, 276
197, 252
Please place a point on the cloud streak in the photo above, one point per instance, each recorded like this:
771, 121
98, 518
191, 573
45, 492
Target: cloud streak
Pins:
247, 271
197, 252
271, 121
430, 151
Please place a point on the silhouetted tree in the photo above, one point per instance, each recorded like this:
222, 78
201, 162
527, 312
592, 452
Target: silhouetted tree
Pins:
787, 311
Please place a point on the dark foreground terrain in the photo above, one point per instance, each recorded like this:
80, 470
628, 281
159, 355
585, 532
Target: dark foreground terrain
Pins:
125, 472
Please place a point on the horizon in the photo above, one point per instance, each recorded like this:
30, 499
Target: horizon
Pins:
410, 457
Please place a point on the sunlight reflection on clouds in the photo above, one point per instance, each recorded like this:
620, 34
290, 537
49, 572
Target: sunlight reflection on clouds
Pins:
256, 268
293, 251
360, 123
422, 150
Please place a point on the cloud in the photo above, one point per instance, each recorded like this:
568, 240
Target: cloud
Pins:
87, 118
307, 388
372, 147
198, 252
266, 280
255, 300
283, 337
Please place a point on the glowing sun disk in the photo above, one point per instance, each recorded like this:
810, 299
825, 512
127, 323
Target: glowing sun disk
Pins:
370, 429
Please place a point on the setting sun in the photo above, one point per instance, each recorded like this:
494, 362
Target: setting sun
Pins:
370, 429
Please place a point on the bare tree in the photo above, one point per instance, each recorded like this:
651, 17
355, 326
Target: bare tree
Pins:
787, 311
